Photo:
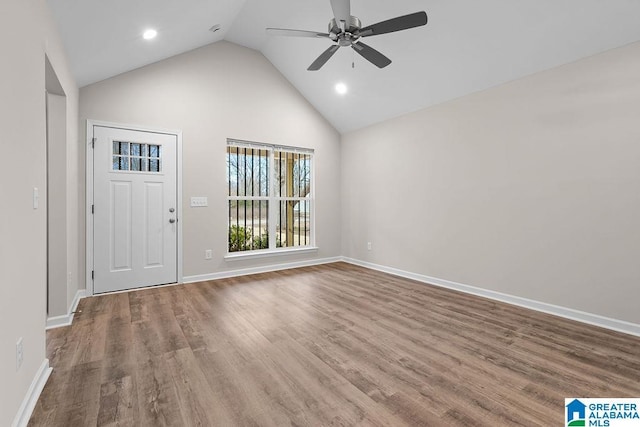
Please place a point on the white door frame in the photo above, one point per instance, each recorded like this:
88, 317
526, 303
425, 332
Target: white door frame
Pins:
89, 191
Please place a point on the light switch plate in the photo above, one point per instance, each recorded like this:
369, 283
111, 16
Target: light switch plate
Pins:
199, 202
19, 354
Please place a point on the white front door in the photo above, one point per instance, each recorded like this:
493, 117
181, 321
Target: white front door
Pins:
135, 209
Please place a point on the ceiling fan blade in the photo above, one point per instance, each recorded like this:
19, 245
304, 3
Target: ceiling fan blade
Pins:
395, 24
341, 10
371, 55
323, 58
295, 33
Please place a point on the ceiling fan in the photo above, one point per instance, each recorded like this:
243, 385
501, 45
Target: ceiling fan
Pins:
346, 30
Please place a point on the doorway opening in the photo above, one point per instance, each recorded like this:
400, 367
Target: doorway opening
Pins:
56, 194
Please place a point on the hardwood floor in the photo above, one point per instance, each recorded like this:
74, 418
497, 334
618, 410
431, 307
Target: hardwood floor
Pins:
332, 345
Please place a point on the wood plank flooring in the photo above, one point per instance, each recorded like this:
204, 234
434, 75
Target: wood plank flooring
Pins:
332, 345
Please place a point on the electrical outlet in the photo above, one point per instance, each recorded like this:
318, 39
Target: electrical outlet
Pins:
19, 353
208, 254
69, 277
368, 246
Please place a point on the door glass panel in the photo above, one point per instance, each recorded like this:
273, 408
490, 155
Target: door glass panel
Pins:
124, 163
136, 157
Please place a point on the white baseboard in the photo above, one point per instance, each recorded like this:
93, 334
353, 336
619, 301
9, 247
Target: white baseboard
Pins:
31, 398
568, 313
261, 269
66, 319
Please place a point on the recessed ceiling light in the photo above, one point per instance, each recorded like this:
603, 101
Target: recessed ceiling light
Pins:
341, 88
149, 34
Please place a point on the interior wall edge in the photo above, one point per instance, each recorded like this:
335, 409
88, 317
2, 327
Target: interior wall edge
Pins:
66, 319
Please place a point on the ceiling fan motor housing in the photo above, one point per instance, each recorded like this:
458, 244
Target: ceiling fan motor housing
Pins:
347, 35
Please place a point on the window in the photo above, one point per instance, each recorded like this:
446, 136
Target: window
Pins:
136, 157
270, 193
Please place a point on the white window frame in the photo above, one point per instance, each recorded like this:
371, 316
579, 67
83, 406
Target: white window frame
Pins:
274, 202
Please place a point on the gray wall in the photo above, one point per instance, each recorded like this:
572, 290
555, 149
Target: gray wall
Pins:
213, 93
57, 204
530, 188
25, 37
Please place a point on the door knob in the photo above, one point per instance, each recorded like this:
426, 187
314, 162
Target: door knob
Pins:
172, 220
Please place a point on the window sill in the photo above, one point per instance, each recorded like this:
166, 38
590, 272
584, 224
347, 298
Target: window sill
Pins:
265, 254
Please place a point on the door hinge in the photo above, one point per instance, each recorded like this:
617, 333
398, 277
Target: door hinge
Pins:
93, 142
92, 209
92, 274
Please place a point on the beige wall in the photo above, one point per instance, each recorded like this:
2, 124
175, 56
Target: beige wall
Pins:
530, 188
70, 157
25, 37
57, 204
213, 93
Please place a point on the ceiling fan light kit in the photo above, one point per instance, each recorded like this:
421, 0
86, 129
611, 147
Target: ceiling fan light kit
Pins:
346, 31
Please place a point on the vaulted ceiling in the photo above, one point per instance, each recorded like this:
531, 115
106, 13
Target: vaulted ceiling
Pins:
467, 46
